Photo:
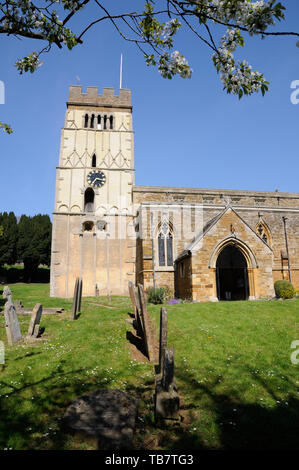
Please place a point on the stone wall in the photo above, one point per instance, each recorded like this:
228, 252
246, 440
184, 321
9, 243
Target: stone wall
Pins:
253, 208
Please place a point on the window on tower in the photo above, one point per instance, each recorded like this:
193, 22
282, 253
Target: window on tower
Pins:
89, 200
92, 121
94, 161
99, 122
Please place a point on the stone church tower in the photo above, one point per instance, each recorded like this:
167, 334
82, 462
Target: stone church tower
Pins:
93, 211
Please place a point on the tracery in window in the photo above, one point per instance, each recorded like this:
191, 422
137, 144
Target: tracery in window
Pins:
263, 232
165, 244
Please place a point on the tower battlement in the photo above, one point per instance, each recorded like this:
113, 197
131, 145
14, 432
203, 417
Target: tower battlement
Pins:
93, 98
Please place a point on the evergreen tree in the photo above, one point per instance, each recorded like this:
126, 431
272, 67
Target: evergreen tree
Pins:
34, 243
8, 239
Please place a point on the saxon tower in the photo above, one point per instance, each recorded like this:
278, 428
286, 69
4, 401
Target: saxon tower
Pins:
93, 234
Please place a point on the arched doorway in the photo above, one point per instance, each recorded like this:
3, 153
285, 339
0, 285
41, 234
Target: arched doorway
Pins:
232, 274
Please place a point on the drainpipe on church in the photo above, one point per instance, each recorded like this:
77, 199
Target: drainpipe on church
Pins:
287, 246
153, 252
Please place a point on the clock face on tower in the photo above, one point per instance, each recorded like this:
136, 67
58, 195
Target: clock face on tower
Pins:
96, 178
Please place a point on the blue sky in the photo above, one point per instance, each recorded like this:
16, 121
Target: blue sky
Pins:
206, 138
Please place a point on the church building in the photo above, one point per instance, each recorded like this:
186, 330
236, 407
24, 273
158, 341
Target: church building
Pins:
204, 244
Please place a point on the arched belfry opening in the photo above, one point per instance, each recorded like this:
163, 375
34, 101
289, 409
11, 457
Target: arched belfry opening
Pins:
89, 200
232, 274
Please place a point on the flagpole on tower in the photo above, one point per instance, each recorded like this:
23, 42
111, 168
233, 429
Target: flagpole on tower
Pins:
121, 71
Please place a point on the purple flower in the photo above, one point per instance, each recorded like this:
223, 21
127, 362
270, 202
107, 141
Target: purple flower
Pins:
173, 302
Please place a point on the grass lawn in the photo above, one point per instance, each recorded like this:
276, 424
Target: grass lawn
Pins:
238, 387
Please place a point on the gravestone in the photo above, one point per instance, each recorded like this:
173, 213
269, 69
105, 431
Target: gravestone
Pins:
75, 299
168, 369
79, 296
12, 326
132, 295
167, 400
108, 416
148, 342
33, 329
7, 294
163, 337
19, 307
136, 306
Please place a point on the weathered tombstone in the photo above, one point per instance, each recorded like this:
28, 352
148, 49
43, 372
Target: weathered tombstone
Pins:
97, 292
163, 337
79, 296
168, 369
18, 306
167, 400
136, 306
132, 295
7, 294
108, 416
75, 299
33, 329
148, 343
12, 326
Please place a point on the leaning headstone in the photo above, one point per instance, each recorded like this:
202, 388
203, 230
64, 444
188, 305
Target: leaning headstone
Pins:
12, 326
148, 343
163, 337
136, 306
107, 416
132, 295
33, 329
75, 300
79, 296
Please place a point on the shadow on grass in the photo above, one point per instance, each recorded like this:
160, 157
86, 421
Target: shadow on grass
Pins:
242, 425
32, 411
228, 422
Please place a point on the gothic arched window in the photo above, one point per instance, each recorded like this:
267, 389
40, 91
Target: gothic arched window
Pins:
165, 245
99, 123
89, 200
111, 122
94, 161
263, 232
86, 120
